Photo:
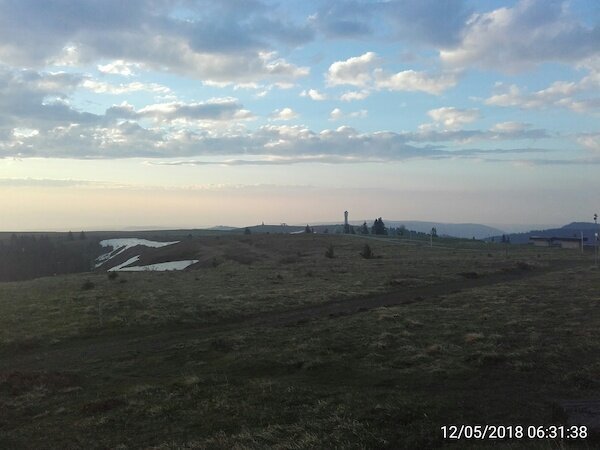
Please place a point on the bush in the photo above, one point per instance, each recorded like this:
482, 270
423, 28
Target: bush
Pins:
112, 275
87, 285
366, 252
329, 253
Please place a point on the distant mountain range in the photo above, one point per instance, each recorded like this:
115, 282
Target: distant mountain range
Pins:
574, 229
458, 230
222, 228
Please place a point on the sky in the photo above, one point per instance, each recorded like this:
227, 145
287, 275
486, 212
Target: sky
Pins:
190, 114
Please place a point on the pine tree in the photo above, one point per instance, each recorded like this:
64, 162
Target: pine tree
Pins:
378, 227
364, 229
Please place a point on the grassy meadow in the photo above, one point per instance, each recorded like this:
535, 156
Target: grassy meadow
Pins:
239, 353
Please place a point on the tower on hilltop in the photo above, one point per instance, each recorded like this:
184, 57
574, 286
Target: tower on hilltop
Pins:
346, 224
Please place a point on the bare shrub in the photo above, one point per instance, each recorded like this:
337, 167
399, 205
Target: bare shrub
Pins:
329, 253
366, 252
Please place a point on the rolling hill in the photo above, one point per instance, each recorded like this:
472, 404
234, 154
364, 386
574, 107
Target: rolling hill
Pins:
574, 229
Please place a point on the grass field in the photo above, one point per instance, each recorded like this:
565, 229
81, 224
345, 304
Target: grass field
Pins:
271, 344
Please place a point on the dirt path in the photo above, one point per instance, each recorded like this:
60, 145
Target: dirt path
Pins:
69, 355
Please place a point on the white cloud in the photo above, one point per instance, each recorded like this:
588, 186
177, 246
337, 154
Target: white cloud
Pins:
119, 67
411, 80
284, 114
355, 95
510, 127
266, 161
127, 139
69, 57
338, 114
101, 87
288, 85
590, 141
214, 110
360, 71
355, 71
513, 39
35, 100
32, 124
216, 41
453, 118
438, 132
24, 133
280, 68
579, 96
313, 94
233, 69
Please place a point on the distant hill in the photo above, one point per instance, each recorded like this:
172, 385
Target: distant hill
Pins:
273, 229
459, 230
146, 228
574, 229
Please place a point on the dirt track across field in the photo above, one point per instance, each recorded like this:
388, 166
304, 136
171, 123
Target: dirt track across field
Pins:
69, 355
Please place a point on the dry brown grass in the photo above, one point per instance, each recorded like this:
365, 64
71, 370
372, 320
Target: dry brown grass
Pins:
381, 378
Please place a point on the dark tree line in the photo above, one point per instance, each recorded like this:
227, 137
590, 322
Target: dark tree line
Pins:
378, 227
28, 256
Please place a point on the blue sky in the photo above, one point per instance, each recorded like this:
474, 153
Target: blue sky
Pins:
197, 113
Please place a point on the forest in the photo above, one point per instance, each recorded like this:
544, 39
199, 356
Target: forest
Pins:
27, 256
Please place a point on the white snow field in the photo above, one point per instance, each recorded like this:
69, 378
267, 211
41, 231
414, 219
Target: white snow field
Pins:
124, 264
159, 267
121, 244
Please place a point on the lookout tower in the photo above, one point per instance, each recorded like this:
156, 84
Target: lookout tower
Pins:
346, 224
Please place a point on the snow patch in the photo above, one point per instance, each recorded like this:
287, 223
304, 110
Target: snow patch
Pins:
125, 264
159, 267
121, 244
